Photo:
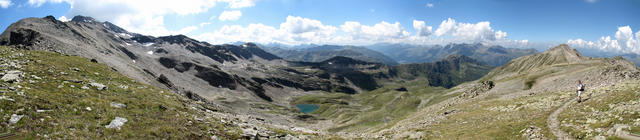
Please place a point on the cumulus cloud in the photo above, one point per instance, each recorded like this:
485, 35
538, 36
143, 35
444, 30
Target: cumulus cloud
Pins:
64, 19
421, 28
471, 32
252, 32
5, 3
240, 3
141, 16
300, 30
445, 27
624, 42
230, 15
382, 31
299, 25
295, 30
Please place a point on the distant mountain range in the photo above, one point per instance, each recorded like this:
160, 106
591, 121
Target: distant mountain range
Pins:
489, 54
318, 53
194, 68
633, 57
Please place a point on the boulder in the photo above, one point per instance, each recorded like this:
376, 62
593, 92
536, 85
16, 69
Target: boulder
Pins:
117, 105
15, 118
12, 76
117, 123
98, 86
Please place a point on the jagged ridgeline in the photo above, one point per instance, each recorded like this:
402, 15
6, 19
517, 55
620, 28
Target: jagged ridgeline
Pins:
319, 53
205, 71
241, 78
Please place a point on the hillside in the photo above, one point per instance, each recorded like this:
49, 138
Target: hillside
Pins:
53, 96
491, 55
531, 97
178, 63
408, 88
253, 92
324, 52
451, 71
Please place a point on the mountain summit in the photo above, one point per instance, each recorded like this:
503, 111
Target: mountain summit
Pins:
561, 54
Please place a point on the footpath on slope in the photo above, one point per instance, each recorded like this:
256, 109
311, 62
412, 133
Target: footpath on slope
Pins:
554, 125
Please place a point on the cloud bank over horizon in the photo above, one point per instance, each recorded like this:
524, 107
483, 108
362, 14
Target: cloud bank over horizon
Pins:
624, 41
147, 17
229, 25
299, 30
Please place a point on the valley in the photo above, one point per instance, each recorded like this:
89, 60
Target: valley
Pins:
86, 79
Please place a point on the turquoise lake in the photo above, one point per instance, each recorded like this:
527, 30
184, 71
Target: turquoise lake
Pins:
307, 108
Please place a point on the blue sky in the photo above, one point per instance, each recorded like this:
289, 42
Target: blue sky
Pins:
514, 23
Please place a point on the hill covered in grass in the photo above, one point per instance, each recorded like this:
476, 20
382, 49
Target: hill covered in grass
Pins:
48, 95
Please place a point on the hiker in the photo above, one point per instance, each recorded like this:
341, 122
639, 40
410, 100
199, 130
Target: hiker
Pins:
580, 90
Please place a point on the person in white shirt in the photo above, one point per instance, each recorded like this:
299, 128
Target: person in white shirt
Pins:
580, 90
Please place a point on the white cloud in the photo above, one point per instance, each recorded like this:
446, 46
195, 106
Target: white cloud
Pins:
299, 30
624, 42
141, 16
38, 3
421, 28
204, 24
471, 32
252, 32
240, 3
445, 27
230, 15
430, 5
63, 19
5, 3
299, 25
377, 32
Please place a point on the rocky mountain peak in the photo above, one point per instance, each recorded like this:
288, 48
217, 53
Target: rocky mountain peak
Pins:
565, 54
80, 18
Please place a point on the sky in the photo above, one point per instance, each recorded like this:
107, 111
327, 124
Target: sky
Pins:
606, 25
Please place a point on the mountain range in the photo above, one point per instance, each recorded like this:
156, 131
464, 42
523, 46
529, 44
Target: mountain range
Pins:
317, 53
84, 79
488, 54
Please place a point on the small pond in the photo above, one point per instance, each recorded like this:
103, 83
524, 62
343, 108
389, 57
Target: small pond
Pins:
307, 108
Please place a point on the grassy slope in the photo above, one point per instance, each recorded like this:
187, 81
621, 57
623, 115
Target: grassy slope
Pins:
606, 107
374, 110
151, 112
497, 118
494, 119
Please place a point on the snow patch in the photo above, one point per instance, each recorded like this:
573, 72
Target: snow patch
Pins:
150, 52
147, 44
125, 35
